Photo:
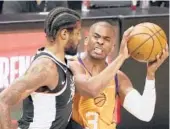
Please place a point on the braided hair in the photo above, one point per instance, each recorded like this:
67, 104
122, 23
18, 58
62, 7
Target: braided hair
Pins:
60, 18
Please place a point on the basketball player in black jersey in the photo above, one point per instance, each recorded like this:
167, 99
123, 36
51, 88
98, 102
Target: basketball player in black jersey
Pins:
47, 87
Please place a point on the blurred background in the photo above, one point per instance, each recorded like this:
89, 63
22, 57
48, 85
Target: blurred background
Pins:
21, 34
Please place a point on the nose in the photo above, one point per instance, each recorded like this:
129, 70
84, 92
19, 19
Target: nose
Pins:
100, 41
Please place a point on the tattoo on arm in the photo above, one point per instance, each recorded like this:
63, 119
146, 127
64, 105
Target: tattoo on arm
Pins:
36, 76
23, 86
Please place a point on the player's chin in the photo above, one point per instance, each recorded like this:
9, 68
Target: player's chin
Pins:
99, 57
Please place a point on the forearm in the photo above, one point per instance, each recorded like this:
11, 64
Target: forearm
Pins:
142, 106
5, 120
100, 81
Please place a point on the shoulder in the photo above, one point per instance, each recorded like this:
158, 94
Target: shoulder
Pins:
44, 65
45, 70
125, 84
76, 67
44, 61
123, 80
122, 76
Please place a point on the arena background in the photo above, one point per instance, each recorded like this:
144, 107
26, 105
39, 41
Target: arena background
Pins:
20, 39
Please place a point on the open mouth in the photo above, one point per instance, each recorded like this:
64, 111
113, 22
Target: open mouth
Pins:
98, 50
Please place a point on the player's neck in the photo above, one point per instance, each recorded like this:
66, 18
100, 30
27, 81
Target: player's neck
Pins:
94, 66
57, 51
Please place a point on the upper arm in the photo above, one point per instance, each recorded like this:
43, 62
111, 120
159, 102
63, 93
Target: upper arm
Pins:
76, 67
125, 85
40, 73
80, 77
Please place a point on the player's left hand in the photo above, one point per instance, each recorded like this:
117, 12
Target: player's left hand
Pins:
153, 66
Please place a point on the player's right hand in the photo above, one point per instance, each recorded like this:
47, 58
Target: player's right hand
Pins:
123, 46
153, 66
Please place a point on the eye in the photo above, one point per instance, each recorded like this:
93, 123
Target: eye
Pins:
96, 36
107, 39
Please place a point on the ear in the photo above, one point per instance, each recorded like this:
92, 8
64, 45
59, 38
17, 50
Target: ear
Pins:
86, 40
64, 34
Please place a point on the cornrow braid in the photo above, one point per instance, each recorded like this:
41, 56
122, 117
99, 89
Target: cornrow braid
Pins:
60, 18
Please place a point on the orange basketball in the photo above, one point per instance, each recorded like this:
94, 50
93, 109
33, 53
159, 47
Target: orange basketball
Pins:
100, 100
146, 42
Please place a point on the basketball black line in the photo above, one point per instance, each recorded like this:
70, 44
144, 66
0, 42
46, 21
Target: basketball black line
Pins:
99, 97
160, 33
152, 45
144, 42
96, 103
155, 35
100, 100
102, 95
152, 40
139, 34
151, 49
153, 32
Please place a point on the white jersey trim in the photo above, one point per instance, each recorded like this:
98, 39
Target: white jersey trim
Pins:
65, 86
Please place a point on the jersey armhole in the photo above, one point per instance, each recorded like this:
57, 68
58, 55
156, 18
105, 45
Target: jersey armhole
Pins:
118, 103
117, 84
60, 89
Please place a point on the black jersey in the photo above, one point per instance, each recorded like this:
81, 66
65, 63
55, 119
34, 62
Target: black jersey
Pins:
50, 109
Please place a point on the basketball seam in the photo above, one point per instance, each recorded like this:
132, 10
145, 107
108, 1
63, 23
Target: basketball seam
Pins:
144, 42
152, 40
99, 97
159, 33
157, 37
151, 49
104, 96
154, 34
97, 103
139, 34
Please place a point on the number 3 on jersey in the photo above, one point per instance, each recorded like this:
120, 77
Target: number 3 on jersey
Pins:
92, 120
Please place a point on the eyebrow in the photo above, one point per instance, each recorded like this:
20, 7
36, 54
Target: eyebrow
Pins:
97, 34
105, 37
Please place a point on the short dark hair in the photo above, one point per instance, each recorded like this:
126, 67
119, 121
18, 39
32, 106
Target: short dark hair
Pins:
59, 18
